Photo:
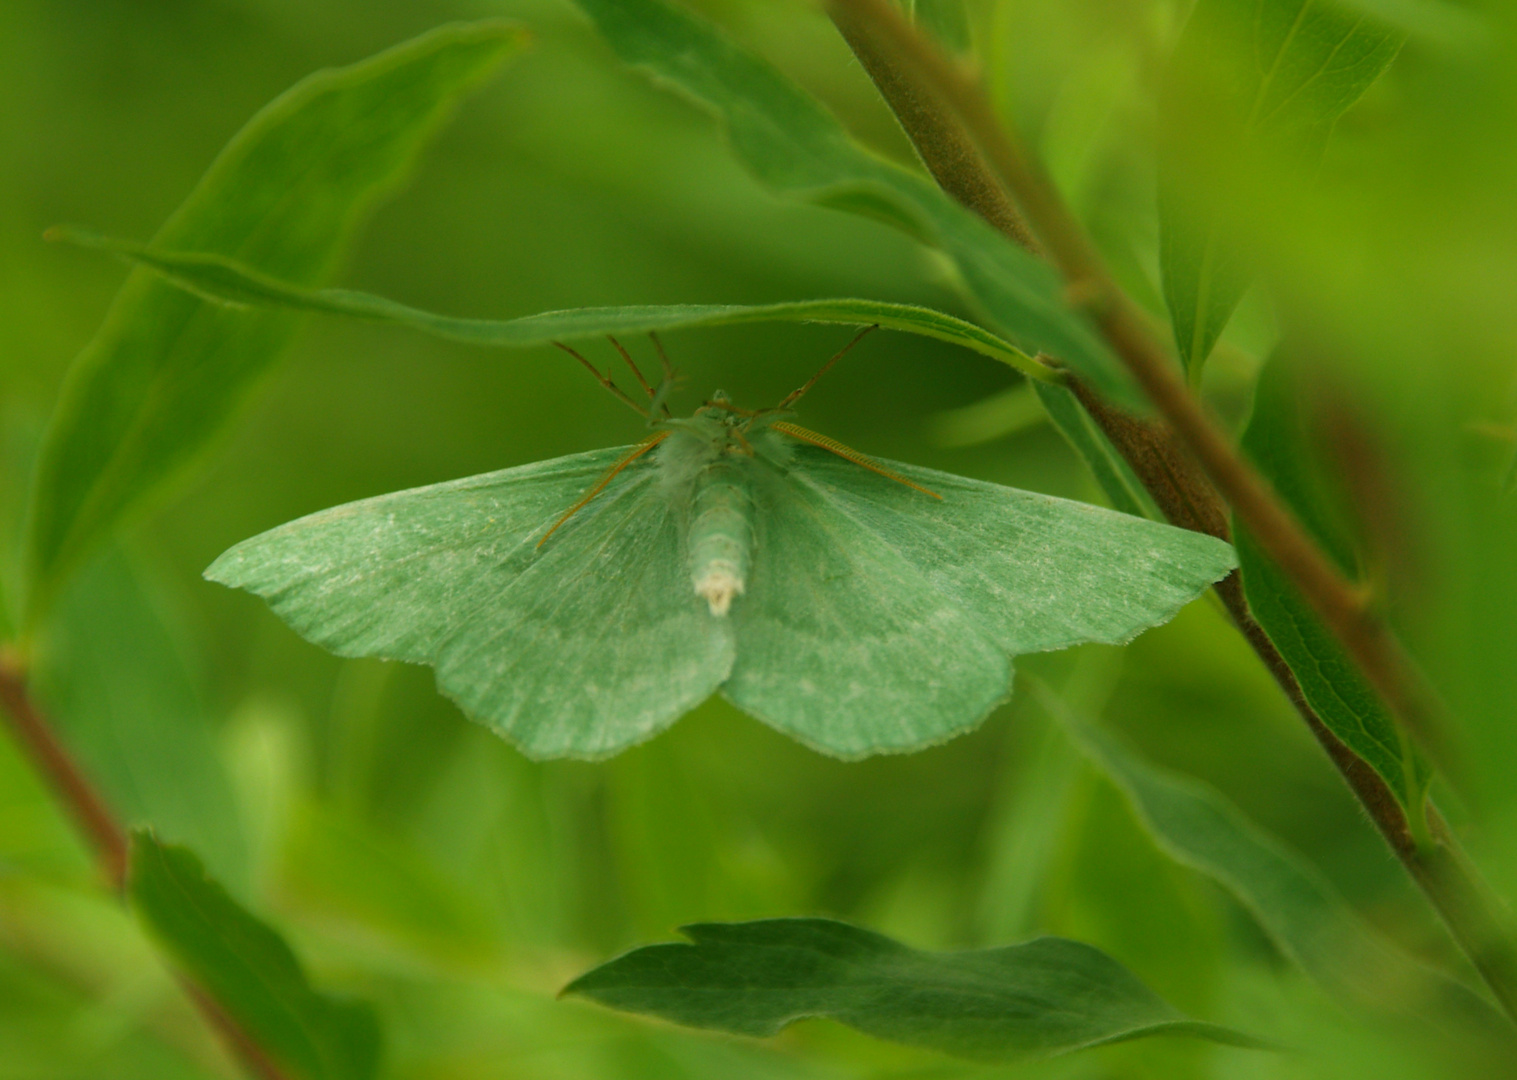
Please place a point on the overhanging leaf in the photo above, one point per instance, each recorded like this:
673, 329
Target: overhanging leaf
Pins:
247, 967
1047, 996
1276, 440
792, 144
1254, 84
225, 281
166, 370
1296, 906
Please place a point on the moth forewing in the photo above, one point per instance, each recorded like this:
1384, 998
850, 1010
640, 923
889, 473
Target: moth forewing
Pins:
583, 604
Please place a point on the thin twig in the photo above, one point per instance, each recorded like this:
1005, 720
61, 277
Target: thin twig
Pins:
925, 89
947, 152
246, 1049
78, 795
95, 820
1341, 606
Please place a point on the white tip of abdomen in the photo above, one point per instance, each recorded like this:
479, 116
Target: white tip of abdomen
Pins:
718, 585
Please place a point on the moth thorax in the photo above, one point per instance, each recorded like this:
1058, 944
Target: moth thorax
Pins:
721, 535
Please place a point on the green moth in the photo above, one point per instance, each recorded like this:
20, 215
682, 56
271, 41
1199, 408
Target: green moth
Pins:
580, 605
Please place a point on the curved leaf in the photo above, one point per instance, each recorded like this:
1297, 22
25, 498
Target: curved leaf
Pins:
792, 144
1047, 996
166, 370
1115, 477
1252, 81
1296, 906
1337, 692
227, 282
248, 968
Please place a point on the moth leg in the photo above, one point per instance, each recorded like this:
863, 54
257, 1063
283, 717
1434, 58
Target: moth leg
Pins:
846, 453
600, 485
605, 380
797, 394
631, 363
665, 384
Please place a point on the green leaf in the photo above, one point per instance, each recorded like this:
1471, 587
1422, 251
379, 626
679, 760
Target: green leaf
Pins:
224, 281
167, 370
792, 144
117, 674
248, 969
1003, 413
1047, 996
1277, 442
1254, 84
1296, 906
1108, 467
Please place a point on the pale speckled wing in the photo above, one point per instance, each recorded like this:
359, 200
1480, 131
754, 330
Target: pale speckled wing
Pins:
1034, 571
582, 648
842, 643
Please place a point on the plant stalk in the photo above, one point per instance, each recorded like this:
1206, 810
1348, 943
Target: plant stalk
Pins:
949, 120
73, 789
1126, 328
94, 819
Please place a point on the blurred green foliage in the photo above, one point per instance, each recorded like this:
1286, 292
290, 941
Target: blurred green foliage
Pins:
415, 860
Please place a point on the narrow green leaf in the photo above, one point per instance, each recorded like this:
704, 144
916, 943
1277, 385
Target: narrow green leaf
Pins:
792, 144
1003, 413
1253, 84
1276, 440
1047, 996
119, 679
247, 967
1296, 906
1115, 476
166, 370
224, 281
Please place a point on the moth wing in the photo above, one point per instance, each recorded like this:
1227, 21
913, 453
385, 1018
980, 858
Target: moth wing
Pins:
580, 648
846, 646
1036, 572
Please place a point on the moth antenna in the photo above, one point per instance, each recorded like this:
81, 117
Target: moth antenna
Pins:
667, 382
631, 363
846, 453
604, 380
796, 395
600, 485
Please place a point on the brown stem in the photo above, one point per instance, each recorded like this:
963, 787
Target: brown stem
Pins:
925, 90
74, 789
947, 152
1364, 635
247, 1050
94, 818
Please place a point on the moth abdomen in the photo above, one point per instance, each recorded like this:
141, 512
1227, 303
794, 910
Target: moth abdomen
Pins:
721, 534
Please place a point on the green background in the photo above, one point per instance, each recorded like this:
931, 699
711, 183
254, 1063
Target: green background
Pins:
416, 860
